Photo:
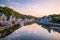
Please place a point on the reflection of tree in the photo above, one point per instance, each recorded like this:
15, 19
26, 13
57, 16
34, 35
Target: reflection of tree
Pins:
49, 28
56, 30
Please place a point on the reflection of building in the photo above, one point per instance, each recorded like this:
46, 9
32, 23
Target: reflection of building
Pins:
54, 29
47, 27
49, 30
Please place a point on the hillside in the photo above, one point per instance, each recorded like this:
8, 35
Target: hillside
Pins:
55, 18
8, 11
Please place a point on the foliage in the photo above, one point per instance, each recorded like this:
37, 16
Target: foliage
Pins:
8, 11
54, 15
55, 18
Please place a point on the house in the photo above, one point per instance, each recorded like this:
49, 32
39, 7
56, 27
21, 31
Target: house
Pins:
8, 18
19, 21
26, 20
8, 23
2, 17
11, 19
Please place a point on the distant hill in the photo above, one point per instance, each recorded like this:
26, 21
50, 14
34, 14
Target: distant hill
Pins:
8, 11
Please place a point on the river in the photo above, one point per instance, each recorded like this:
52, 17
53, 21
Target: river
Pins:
33, 32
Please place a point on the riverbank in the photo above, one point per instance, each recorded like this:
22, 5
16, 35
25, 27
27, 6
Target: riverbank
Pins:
29, 23
51, 24
48, 23
5, 31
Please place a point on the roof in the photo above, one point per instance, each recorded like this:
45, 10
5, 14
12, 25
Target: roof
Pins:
1, 13
8, 17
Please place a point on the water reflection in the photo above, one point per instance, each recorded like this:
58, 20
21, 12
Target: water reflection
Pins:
50, 28
34, 32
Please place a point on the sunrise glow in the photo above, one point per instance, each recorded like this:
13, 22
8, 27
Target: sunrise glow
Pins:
33, 7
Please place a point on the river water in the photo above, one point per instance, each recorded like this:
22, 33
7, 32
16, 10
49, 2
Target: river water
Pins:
34, 32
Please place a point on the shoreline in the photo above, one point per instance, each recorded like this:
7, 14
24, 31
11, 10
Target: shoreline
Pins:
49, 23
5, 31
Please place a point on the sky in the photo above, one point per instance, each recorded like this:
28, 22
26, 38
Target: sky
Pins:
36, 8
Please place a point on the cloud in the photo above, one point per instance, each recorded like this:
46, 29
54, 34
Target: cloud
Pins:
34, 7
8, 0
2, 5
